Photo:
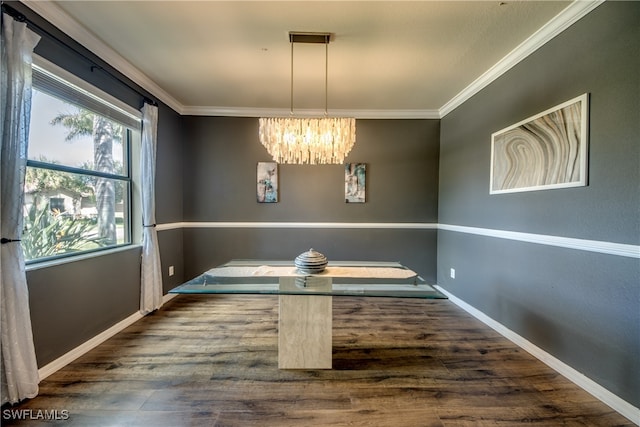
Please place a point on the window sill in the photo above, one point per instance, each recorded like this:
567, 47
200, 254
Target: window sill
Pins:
80, 257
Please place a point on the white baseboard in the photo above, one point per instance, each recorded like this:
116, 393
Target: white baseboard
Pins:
621, 406
72, 355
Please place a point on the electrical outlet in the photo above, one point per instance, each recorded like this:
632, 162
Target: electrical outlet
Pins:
452, 273
171, 270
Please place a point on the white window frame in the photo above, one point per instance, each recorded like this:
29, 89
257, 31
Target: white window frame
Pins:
111, 107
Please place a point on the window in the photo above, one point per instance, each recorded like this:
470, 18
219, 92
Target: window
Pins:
78, 182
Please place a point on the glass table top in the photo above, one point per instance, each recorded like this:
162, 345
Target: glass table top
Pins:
340, 278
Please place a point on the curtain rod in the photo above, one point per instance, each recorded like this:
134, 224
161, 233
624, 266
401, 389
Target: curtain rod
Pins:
21, 17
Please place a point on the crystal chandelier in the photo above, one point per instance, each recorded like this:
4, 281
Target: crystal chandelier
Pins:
325, 140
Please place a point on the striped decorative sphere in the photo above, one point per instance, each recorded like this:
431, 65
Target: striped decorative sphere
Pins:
311, 262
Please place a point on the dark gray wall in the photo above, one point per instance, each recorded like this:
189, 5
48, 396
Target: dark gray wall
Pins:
169, 183
73, 302
581, 307
220, 185
414, 248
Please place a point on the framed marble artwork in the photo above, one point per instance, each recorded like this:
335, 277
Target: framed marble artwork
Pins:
355, 182
542, 152
267, 182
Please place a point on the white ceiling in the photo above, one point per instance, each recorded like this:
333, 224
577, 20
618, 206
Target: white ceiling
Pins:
387, 58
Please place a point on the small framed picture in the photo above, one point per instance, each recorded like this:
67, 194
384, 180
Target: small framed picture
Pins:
267, 182
355, 182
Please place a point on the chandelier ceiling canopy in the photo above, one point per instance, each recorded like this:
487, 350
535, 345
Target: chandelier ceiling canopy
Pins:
316, 140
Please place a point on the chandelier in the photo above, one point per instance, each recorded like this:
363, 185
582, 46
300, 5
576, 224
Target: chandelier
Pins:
313, 140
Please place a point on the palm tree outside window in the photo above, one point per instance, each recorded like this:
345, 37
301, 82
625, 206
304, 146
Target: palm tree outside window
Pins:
78, 182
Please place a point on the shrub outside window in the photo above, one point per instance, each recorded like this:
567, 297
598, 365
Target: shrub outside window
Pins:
78, 180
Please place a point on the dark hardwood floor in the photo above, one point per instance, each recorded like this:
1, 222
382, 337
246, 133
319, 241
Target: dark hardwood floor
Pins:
207, 360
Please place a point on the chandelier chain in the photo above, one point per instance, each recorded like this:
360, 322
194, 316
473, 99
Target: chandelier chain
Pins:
291, 109
308, 140
326, 79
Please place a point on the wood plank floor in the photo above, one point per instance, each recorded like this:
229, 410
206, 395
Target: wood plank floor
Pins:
205, 360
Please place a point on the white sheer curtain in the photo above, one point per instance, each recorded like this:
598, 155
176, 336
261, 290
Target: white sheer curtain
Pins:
151, 289
19, 366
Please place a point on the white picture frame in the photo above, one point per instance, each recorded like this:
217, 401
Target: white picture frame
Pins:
267, 182
543, 152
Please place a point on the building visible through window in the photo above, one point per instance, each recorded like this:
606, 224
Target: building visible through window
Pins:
78, 180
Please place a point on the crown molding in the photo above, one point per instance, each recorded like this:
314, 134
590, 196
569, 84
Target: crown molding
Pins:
572, 13
393, 114
56, 16
285, 112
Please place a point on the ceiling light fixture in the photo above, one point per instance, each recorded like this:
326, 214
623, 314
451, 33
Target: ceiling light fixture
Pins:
313, 140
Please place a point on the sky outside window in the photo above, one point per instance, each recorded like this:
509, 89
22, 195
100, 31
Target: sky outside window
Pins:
47, 142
